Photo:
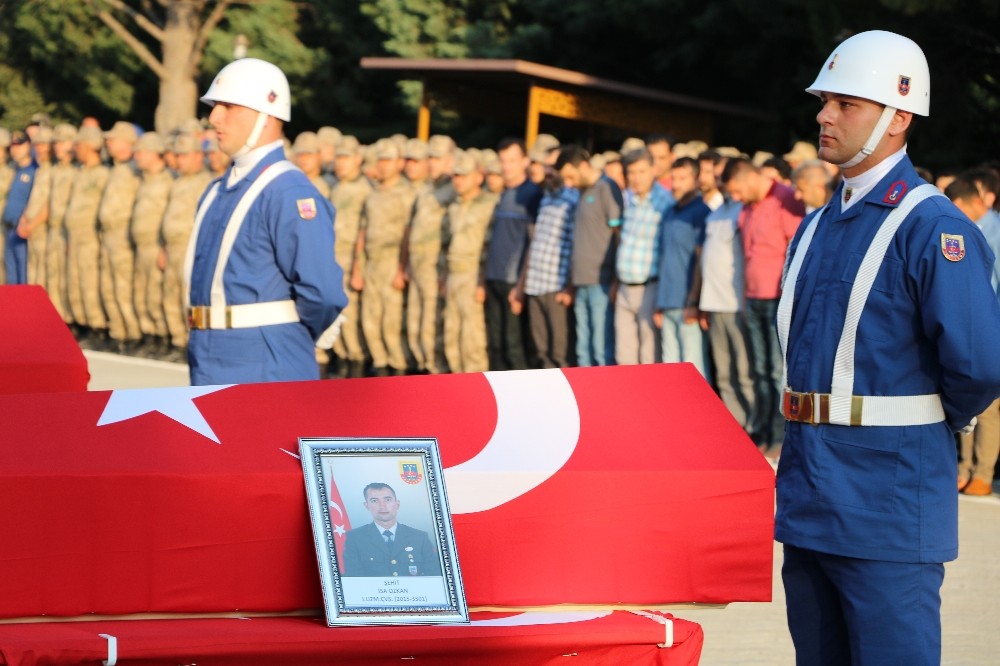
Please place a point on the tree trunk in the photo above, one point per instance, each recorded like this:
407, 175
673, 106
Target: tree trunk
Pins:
179, 86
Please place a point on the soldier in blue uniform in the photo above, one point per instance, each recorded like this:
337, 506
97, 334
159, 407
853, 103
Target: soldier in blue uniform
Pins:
888, 325
14, 225
265, 288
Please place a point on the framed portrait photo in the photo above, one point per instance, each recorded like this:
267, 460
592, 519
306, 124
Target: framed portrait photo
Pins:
383, 531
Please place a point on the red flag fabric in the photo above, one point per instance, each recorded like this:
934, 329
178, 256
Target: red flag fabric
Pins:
526, 639
623, 486
38, 354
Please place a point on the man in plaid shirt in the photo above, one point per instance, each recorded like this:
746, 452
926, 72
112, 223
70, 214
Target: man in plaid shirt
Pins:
646, 202
545, 279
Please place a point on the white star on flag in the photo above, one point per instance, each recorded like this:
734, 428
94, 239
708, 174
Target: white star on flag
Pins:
176, 403
339, 530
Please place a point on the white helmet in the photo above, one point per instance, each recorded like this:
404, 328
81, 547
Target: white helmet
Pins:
880, 66
255, 84
883, 67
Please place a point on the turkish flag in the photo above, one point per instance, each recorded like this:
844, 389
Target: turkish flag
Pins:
623, 486
340, 521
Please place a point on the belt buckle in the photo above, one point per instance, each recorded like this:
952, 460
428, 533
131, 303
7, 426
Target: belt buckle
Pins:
199, 317
800, 407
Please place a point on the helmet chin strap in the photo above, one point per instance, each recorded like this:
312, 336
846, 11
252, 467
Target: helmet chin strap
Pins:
877, 133
258, 128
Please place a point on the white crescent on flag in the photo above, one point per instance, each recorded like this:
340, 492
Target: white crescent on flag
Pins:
538, 427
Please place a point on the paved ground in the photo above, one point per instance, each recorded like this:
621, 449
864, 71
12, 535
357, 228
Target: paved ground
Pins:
755, 634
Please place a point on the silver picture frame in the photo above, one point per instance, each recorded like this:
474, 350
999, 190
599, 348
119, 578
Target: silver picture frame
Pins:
357, 488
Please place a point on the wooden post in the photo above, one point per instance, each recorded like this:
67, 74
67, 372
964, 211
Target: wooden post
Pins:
424, 117
531, 129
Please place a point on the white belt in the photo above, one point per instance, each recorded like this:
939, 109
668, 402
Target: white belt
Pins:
250, 315
868, 410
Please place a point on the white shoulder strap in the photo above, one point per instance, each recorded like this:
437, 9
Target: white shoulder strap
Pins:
843, 365
789, 276
217, 302
206, 203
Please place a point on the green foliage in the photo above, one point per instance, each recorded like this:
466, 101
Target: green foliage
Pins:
56, 56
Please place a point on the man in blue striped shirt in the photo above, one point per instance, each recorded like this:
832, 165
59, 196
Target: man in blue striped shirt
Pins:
646, 202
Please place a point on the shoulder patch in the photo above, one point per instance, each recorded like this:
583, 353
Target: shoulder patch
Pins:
953, 247
895, 193
307, 208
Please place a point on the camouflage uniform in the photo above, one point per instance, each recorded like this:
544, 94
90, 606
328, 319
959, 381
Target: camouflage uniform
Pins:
384, 219
178, 222
38, 204
348, 198
117, 256
63, 174
467, 225
84, 246
147, 218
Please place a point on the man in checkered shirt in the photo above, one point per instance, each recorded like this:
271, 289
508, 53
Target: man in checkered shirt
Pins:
546, 276
646, 202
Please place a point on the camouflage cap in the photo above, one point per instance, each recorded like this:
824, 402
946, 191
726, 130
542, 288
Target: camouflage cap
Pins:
630, 144
64, 132
190, 126
491, 163
40, 119
17, 138
545, 142
400, 140
685, 150
440, 145
43, 134
476, 155
91, 136
598, 162
611, 156
760, 157
729, 151
122, 130
306, 143
348, 146
801, 151
4, 137
184, 144
386, 149
465, 163
329, 136
416, 149
152, 142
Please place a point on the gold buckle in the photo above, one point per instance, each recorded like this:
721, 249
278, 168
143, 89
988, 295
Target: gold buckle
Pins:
199, 317
809, 408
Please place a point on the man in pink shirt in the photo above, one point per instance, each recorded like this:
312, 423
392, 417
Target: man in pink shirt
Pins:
770, 216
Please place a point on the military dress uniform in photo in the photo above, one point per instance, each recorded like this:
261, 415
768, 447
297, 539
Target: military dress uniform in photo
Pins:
408, 553
147, 220
348, 198
257, 313
178, 221
117, 257
84, 247
466, 231
56, 250
423, 298
386, 213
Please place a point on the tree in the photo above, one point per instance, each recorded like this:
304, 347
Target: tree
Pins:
181, 29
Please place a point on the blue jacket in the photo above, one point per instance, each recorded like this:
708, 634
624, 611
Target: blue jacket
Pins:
284, 250
929, 326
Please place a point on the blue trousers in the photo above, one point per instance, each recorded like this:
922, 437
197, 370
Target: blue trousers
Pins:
683, 341
846, 611
15, 257
594, 325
